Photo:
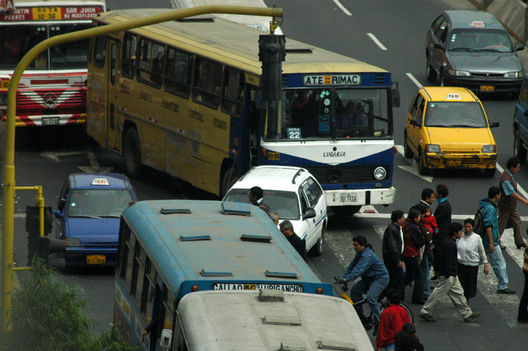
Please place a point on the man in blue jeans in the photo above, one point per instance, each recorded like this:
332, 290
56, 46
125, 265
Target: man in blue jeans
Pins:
374, 276
491, 239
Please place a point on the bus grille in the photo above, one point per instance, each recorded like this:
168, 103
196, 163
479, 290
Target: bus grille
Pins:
345, 174
50, 99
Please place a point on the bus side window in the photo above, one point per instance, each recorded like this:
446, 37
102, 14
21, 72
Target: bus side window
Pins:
179, 72
100, 51
147, 286
129, 262
233, 96
207, 82
129, 55
151, 57
124, 236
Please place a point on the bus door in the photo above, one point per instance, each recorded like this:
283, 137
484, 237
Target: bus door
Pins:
112, 81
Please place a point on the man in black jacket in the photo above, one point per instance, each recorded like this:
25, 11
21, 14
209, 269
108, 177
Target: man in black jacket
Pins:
448, 283
392, 251
443, 219
299, 244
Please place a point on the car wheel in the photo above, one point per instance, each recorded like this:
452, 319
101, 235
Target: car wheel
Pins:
518, 148
317, 249
407, 150
489, 172
430, 72
422, 169
132, 153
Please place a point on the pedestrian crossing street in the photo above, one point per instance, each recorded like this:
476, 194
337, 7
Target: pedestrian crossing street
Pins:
339, 241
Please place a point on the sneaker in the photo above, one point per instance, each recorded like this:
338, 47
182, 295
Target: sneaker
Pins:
427, 317
506, 291
472, 317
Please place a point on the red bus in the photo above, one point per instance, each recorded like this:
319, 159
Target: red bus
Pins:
52, 90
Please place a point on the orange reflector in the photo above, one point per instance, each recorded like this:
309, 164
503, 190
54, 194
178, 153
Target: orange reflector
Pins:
319, 290
394, 150
264, 152
194, 288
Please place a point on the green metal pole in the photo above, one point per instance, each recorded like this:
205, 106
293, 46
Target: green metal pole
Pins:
9, 165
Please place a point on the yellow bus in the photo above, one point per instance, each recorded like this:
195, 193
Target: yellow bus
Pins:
183, 97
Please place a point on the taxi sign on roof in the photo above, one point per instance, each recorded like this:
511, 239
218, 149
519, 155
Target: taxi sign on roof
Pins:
100, 181
477, 24
453, 96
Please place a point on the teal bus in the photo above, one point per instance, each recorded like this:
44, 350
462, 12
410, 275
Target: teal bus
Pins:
169, 248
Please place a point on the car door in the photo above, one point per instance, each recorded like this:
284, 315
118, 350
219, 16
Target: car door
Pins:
414, 122
306, 228
438, 34
312, 197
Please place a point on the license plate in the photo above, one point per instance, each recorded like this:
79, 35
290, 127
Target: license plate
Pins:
50, 121
253, 286
95, 259
454, 163
487, 88
47, 13
347, 197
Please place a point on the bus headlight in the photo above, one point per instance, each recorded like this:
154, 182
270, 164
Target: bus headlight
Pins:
380, 173
486, 149
432, 148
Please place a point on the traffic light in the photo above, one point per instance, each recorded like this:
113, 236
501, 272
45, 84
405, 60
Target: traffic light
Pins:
271, 53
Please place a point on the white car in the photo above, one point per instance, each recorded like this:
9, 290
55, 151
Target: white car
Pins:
293, 194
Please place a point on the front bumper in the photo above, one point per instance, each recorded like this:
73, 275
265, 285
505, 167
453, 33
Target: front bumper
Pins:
461, 161
360, 197
486, 85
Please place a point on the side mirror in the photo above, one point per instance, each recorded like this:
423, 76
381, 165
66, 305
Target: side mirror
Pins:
415, 123
519, 47
165, 339
494, 124
61, 204
395, 92
308, 213
438, 46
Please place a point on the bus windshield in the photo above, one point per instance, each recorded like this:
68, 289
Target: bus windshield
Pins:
19, 39
332, 113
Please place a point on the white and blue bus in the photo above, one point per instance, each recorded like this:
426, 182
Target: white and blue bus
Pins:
170, 248
187, 101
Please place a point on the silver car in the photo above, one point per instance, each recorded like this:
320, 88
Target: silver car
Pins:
472, 49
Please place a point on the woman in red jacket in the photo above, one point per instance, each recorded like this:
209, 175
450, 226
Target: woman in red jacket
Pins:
392, 320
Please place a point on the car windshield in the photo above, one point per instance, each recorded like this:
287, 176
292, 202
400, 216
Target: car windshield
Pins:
98, 202
283, 203
455, 114
19, 39
480, 40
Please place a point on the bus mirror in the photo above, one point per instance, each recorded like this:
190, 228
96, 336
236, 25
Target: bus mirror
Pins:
395, 97
165, 339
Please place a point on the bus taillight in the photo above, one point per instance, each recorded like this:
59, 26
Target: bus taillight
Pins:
319, 290
194, 288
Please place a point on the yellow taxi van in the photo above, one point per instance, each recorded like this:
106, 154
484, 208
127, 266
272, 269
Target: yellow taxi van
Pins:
447, 127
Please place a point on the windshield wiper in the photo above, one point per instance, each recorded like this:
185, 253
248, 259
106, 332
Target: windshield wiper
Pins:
465, 126
87, 216
463, 49
491, 50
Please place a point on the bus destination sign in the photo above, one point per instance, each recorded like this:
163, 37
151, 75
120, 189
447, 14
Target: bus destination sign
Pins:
258, 286
331, 79
54, 13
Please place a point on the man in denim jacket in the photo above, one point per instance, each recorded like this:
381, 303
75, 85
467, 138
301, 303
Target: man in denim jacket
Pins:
491, 239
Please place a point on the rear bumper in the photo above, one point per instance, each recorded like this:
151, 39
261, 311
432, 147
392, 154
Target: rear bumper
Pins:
79, 256
461, 161
360, 197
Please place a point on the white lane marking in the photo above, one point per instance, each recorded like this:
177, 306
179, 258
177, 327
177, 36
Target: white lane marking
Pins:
55, 155
411, 169
414, 80
487, 285
376, 41
348, 13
